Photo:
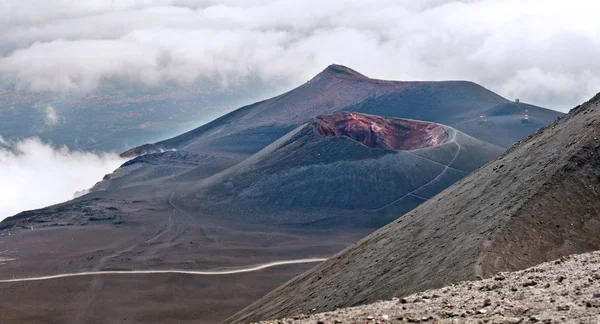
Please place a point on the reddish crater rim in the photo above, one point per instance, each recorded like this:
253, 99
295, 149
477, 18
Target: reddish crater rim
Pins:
380, 132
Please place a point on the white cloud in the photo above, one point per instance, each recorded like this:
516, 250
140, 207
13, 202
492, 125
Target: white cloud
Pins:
41, 175
514, 47
51, 117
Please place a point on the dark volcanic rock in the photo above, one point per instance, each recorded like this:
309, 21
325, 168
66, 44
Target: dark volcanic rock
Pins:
141, 150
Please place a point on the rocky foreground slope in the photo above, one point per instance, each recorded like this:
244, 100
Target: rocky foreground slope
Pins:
563, 291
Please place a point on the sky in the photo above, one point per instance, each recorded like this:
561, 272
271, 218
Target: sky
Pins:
539, 51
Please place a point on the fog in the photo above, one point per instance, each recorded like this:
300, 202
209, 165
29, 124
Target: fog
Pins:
34, 174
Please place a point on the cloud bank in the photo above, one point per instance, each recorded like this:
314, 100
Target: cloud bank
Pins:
41, 175
541, 51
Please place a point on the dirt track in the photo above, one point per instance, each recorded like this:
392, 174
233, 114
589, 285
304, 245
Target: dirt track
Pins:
188, 272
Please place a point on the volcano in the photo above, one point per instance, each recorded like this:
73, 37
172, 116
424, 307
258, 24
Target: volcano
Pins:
344, 161
298, 176
458, 104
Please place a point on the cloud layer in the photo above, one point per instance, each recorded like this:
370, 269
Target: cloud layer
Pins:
542, 51
41, 175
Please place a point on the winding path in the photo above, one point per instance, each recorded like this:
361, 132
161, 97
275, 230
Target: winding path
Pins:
186, 272
446, 168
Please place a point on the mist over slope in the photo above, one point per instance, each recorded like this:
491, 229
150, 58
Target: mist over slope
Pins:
517, 48
34, 174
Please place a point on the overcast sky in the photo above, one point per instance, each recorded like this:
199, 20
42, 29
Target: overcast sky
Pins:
541, 51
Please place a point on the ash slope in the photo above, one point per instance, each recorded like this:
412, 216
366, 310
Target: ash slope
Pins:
562, 291
537, 202
356, 169
459, 104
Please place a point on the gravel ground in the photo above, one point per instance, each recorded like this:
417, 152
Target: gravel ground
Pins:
562, 291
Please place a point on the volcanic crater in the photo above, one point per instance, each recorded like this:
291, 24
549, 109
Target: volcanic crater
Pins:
380, 132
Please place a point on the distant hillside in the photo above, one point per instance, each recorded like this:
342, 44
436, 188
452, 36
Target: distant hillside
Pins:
118, 115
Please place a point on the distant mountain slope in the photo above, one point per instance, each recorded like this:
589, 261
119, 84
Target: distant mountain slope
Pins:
537, 202
459, 104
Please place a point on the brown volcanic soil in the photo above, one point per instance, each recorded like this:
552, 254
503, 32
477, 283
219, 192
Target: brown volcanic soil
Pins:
143, 235
168, 298
563, 291
387, 133
537, 202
